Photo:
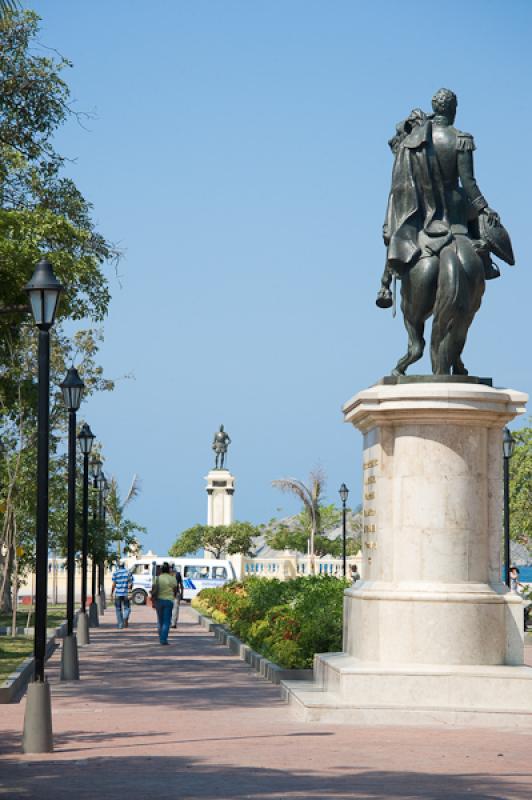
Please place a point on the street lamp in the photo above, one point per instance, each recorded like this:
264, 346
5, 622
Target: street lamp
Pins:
43, 291
343, 491
508, 443
104, 488
85, 439
72, 390
96, 469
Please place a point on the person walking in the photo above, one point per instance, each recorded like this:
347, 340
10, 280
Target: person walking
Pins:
163, 591
122, 583
178, 597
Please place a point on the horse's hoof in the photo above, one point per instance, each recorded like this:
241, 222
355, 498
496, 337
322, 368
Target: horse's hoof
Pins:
398, 372
384, 298
459, 369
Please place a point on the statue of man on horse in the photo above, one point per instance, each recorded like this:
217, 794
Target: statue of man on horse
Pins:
440, 233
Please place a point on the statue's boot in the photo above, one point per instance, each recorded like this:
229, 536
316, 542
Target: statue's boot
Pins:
384, 298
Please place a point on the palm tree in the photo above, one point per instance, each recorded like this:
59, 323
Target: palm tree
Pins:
122, 528
310, 497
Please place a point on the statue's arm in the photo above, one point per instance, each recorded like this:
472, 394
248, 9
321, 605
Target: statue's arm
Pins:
468, 181
474, 195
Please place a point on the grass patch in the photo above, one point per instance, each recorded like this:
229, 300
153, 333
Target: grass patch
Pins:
56, 615
13, 651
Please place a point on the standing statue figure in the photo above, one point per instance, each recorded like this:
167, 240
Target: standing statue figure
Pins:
220, 443
439, 232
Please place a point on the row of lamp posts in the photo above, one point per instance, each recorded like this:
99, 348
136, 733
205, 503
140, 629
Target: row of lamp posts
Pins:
44, 291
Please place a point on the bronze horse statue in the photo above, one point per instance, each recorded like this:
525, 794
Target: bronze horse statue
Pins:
439, 232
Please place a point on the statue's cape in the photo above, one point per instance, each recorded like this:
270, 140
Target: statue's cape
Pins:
415, 175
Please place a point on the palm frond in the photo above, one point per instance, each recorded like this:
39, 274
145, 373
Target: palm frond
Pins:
134, 490
8, 7
317, 482
296, 487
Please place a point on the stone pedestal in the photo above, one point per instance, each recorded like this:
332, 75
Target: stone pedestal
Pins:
220, 491
431, 632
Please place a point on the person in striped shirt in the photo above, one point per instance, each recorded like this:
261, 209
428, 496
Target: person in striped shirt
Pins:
122, 583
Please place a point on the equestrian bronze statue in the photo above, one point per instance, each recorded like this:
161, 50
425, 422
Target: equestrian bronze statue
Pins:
440, 234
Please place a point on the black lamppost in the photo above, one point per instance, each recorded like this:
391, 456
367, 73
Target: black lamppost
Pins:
96, 468
508, 443
72, 390
85, 439
103, 486
43, 291
343, 491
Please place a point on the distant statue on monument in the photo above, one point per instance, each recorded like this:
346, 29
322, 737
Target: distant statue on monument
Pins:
439, 232
220, 445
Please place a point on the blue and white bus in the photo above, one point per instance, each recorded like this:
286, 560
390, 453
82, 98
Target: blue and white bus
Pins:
197, 574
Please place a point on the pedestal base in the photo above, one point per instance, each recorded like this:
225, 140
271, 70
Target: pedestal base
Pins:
347, 691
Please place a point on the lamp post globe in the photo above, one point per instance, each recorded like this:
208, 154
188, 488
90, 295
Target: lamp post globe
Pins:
96, 468
72, 390
508, 443
85, 439
43, 290
343, 491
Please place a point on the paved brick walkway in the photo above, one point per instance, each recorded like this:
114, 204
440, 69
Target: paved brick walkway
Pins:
192, 721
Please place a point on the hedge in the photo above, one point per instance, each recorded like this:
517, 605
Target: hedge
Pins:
285, 621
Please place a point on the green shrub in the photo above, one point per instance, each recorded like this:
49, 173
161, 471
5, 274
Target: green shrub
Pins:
286, 622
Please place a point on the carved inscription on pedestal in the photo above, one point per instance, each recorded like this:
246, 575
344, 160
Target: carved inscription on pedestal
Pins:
369, 531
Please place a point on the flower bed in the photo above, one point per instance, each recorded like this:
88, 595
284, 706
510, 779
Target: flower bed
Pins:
286, 622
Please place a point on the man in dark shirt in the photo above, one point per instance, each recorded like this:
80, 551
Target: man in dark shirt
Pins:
178, 597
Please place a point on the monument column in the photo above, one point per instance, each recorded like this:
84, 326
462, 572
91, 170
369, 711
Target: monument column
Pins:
220, 491
432, 591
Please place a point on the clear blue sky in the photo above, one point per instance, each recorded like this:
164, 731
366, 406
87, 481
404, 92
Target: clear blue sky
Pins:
239, 157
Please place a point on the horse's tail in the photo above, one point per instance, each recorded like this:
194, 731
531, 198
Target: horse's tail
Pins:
447, 310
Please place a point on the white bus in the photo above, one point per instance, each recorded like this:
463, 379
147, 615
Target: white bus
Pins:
197, 574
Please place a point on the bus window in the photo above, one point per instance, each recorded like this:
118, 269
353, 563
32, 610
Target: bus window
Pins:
139, 569
219, 573
196, 572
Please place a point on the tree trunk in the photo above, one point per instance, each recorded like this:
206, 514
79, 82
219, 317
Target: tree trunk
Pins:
9, 544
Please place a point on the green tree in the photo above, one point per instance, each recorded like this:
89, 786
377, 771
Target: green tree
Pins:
295, 534
216, 539
41, 211
18, 428
521, 486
